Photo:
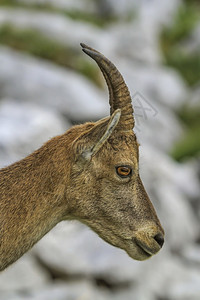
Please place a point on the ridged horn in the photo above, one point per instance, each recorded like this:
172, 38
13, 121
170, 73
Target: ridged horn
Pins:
119, 96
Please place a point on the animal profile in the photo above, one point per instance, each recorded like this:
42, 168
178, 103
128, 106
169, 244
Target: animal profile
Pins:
90, 174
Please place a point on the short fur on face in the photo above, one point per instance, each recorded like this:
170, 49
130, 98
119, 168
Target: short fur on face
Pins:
118, 209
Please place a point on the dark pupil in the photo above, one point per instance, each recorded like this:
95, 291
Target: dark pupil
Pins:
123, 171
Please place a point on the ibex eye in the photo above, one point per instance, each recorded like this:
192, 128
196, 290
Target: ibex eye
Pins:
124, 171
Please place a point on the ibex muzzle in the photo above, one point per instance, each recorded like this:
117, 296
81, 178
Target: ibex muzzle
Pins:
90, 173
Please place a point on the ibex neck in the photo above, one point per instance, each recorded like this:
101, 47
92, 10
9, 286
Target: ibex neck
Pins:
31, 202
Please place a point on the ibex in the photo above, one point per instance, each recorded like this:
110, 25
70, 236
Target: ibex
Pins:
91, 174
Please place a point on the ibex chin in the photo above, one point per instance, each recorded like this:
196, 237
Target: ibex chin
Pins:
91, 174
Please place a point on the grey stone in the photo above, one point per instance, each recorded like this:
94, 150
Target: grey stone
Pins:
186, 285
74, 290
137, 43
30, 79
24, 127
73, 249
25, 274
155, 125
158, 13
69, 32
164, 180
154, 11
80, 5
170, 279
57, 27
182, 176
156, 83
155, 104
192, 254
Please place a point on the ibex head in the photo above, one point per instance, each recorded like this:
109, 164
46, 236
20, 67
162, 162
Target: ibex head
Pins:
105, 187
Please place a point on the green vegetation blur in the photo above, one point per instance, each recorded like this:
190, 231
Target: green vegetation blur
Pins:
188, 64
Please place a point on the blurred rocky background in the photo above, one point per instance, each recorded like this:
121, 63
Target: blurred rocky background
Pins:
47, 84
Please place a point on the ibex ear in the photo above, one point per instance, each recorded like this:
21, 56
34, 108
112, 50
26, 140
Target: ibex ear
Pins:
88, 144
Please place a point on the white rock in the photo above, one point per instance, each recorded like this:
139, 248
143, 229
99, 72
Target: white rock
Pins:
156, 93
123, 7
164, 180
80, 5
176, 208
25, 274
137, 42
156, 83
30, 79
170, 279
73, 249
58, 28
155, 125
182, 175
82, 290
155, 11
187, 286
192, 254
158, 13
24, 127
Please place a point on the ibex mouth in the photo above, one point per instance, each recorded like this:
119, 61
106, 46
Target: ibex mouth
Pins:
151, 245
144, 248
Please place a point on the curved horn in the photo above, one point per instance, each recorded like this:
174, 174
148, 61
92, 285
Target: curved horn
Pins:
119, 94
106, 78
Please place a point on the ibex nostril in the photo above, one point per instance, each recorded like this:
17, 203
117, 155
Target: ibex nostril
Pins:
159, 239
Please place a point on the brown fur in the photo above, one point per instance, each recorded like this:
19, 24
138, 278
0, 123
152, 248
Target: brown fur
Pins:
58, 183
